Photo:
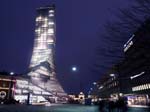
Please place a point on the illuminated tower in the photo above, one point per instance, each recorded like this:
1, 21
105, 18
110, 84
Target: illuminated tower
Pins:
42, 66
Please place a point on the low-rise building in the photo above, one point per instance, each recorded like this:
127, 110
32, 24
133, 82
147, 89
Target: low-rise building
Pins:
21, 89
80, 98
108, 85
7, 85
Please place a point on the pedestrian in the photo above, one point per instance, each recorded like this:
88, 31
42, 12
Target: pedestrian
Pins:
149, 106
111, 106
101, 106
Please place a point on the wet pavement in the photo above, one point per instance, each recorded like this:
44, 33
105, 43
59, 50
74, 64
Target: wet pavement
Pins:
54, 108
59, 108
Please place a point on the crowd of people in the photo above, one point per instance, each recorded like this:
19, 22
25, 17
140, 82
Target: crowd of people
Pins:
119, 105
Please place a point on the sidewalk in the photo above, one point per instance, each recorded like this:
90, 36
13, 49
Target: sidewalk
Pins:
138, 106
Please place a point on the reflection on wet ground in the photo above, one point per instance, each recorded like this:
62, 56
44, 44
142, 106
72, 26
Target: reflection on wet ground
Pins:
59, 108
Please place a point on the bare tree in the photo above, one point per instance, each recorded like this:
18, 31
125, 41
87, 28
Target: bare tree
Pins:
118, 32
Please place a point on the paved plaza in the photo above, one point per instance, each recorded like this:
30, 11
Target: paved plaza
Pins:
57, 108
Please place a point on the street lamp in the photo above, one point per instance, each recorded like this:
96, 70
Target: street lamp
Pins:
94, 83
10, 86
11, 73
112, 75
74, 69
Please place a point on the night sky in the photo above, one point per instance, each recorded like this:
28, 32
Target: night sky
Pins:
79, 23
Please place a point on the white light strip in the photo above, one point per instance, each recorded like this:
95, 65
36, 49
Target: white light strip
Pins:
135, 76
129, 41
141, 87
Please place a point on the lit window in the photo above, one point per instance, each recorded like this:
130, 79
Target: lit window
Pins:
43, 68
18, 91
50, 31
51, 15
132, 89
22, 82
35, 74
43, 34
37, 92
149, 86
46, 93
51, 23
146, 86
50, 41
51, 11
25, 91
139, 88
38, 18
37, 30
42, 72
44, 25
45, 19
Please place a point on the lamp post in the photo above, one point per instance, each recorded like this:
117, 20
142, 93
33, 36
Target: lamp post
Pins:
10, 86
74, 69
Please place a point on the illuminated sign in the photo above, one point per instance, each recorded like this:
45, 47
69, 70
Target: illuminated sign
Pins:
132, 77
128, 44
141, 87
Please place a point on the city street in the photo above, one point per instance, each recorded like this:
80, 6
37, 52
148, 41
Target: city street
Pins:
75, 56
57, 108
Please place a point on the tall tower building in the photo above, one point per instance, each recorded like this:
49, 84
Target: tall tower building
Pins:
42, 66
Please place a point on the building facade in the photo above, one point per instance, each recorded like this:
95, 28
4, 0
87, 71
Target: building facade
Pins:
131, 77
7, 84
19, 88
41, 84
134, 70
42, 66
108, 86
